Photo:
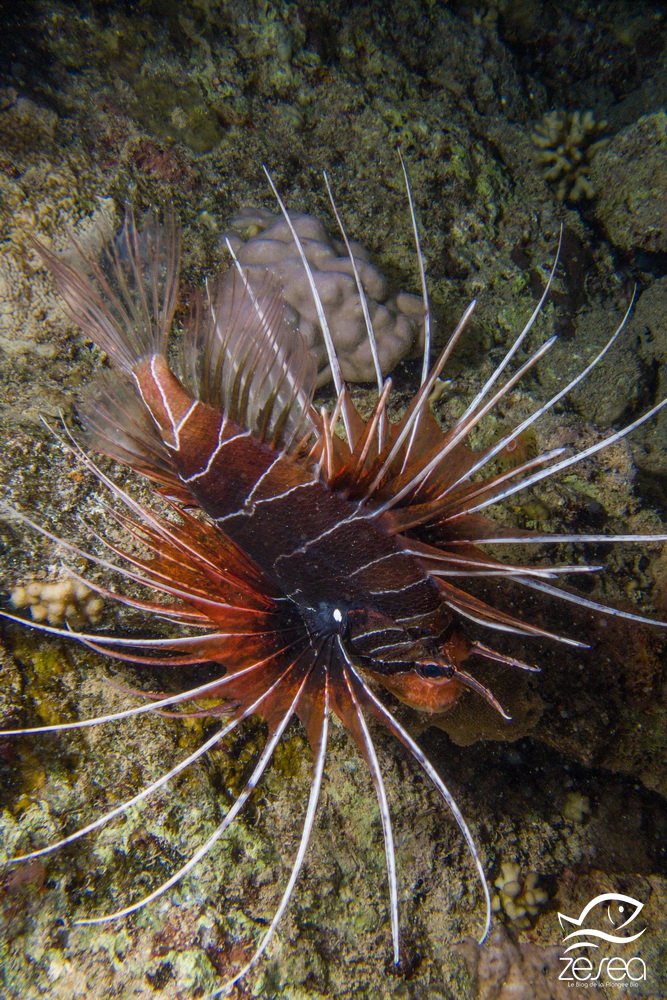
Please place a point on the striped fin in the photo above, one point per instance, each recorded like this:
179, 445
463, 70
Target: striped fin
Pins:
241, 355
117, 424
124, 302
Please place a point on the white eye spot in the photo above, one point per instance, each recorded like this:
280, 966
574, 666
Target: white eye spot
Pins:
337, 615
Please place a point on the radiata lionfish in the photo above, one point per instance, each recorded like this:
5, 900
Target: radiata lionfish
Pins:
315, 556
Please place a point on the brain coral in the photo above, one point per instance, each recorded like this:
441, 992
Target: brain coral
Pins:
262, 242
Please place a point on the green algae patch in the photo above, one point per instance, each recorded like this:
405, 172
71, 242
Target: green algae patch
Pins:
48, 677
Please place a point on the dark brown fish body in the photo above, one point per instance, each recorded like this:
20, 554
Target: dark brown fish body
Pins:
322, 550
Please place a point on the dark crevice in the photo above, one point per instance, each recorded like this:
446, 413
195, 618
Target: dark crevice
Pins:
627, 828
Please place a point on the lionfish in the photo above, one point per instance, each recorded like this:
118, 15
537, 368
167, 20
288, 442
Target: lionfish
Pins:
316, 557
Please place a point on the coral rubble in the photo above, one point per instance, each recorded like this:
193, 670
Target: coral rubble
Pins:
59, 601
507, 969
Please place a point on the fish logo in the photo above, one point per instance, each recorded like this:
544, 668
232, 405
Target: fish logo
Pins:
617, 909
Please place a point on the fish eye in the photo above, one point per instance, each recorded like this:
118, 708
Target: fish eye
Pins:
434, 671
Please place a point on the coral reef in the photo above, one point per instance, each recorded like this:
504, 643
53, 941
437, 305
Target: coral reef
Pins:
567, 141
519, 895
397, 319
302, 87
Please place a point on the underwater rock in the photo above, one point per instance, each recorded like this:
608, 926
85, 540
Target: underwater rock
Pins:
621, 385
630, 177
506, 969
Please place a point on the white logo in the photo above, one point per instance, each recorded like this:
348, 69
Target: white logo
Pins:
608, 910
617, 909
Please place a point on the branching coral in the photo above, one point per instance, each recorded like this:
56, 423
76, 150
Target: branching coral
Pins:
567, 141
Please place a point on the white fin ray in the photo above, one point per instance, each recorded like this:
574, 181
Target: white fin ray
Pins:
426, 357
420, 400
463, 429
566, 462
117, 423
125, 713
539, 572
556, 539
125, 302
519, 340
485, 486
370, 756
479, 649
422, 274
144, 793
155, 706
244, 358
430, 554
309, 821
370, 332
491, 453
152, 582
160, 526
334, 363
585, 602
179, 642
501, 621
397, 730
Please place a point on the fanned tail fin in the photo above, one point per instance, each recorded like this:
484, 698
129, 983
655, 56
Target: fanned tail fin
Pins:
124, 302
